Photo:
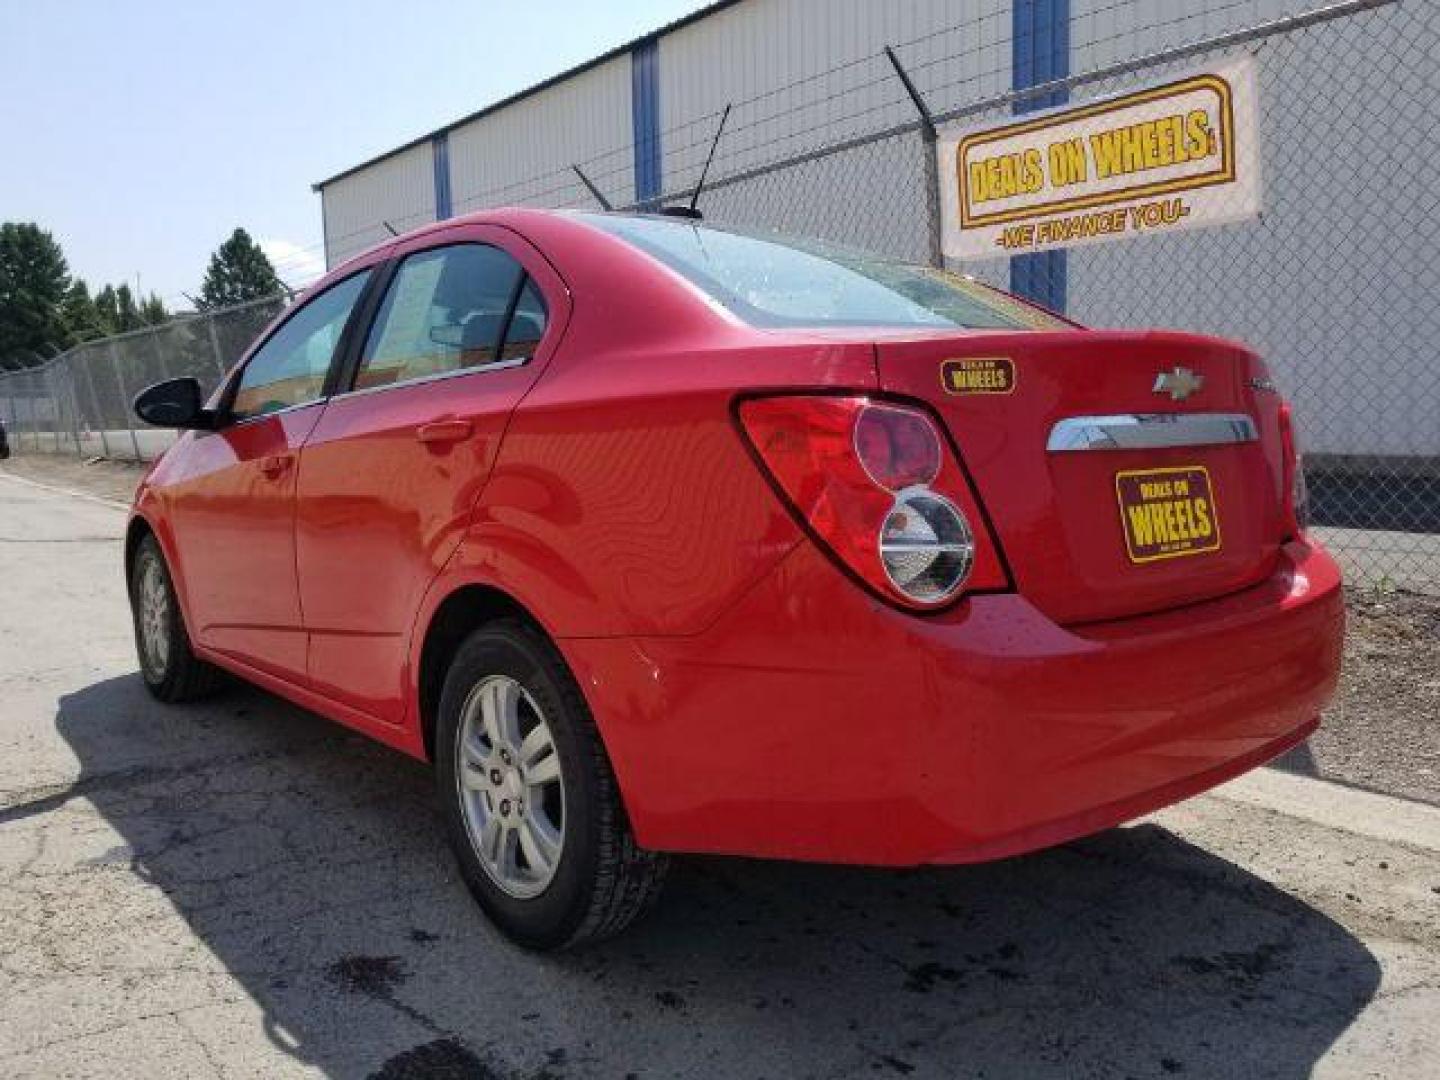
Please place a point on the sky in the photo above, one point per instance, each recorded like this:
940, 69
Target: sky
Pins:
141, 134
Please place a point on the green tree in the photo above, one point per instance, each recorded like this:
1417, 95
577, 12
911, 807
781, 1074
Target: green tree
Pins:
238, 271
152, 311
80, 315
129, 310
107, 309
114, 310
34, 280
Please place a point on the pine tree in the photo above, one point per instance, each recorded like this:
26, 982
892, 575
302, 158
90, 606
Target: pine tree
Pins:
81, 316
129, 310
34, 280
107, 309
152, 311
238, 271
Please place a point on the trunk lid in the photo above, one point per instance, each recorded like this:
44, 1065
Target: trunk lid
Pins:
1106, 517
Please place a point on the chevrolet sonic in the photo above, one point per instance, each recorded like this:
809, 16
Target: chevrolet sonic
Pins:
655, 536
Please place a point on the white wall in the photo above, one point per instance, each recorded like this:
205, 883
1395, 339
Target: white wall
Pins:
521, 155
398, 189
784, 53
804, 75
1336, 283
1108, 31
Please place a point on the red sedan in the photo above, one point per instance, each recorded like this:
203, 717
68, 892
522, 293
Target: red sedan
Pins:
655, 537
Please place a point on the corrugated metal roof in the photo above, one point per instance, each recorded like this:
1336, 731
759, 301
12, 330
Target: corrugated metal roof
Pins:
694, 16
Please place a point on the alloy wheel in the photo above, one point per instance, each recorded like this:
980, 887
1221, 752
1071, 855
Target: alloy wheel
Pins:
511, 788
154, 615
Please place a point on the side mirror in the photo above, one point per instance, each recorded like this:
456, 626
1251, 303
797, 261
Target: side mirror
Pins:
174, 403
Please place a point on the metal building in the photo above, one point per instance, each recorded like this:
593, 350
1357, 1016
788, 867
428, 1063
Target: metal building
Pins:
639, 118
1334, 276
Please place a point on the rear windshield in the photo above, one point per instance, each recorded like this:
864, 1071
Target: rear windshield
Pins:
771, 281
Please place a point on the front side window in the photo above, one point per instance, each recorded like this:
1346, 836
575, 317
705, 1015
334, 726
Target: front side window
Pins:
445, 312
771, 281
290, 368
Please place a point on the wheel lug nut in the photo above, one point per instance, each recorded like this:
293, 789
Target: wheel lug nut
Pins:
504, 807
495, 776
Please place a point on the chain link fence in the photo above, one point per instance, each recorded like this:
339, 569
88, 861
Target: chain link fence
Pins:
79, 402
1335, 282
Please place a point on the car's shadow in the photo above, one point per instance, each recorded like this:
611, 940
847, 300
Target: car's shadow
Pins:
309, 863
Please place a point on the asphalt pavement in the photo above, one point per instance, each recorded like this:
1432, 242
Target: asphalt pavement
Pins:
240, 888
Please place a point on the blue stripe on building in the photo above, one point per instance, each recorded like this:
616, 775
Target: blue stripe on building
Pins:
440, 153
1040, 53
645, 117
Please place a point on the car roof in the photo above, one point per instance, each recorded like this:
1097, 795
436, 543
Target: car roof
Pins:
513, 217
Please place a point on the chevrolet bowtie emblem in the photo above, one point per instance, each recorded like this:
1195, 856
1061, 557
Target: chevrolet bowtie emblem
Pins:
1179, 384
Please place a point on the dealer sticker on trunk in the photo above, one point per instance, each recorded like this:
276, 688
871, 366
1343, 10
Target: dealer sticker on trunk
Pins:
1167, 513
978, 375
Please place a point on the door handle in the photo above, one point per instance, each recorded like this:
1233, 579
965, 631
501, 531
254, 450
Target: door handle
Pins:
444, 431
274, 465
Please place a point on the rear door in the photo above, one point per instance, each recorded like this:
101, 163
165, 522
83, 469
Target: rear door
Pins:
1125, 471
232, 493
389, 476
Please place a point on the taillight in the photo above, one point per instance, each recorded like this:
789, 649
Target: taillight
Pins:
897, 447
1297, 493
877, 485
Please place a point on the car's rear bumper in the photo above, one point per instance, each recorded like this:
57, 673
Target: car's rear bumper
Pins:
811, 722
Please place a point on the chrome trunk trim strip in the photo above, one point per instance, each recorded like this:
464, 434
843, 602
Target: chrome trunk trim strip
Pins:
1150, 431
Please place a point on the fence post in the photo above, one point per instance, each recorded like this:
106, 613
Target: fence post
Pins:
51, 387
929, 137
74, 405
17, 431
98, 413
124, 400
11, 381
210, 319
34, 411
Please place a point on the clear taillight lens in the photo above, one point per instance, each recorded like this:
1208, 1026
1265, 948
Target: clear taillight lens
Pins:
878, 487
1300, 498
1296, 491
926, 546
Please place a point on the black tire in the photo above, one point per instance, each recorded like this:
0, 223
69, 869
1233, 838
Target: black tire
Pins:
181, 675
602, 881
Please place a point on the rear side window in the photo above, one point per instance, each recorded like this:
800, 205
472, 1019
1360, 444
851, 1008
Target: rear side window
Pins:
445, 311
527, 325
290, 368
773, 281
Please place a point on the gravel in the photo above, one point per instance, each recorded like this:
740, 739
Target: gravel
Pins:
1382, 731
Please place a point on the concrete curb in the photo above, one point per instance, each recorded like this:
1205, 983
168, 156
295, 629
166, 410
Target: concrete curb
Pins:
1335, 806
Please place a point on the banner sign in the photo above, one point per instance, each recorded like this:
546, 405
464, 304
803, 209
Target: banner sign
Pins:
1181, 155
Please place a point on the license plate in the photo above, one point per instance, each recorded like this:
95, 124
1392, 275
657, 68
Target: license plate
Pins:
1167, 513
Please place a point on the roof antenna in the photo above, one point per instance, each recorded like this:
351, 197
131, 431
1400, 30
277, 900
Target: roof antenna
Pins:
389, 228
599, 195
690, 211
695, 195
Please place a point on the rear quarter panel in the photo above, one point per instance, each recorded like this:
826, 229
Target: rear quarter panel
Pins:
624, 501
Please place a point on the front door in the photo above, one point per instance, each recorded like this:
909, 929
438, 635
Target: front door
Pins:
234, 509
394, 467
